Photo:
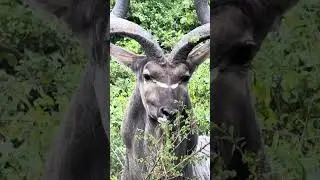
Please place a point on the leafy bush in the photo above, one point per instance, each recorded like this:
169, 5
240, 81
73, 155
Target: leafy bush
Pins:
35, 87
286, 84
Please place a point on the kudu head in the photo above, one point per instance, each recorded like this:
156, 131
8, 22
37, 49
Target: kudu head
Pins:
161, 78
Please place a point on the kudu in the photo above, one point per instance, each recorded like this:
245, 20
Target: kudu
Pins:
81, 148
239, 28
161, 82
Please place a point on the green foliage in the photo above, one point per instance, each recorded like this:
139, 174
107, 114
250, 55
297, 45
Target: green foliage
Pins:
35, 87
287, 86
160, 163
168, 21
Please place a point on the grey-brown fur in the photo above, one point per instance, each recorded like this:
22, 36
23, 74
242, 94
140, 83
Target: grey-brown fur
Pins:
161, 83
239, 28
81, 147
145, 106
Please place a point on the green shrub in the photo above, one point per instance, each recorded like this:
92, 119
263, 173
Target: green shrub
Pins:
35, 87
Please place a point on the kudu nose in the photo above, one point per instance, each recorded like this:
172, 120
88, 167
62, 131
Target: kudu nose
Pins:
168, 113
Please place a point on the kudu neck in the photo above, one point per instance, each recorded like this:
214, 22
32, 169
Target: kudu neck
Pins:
183, 146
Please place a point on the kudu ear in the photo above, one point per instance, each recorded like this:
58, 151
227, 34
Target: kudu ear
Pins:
125, 57
199, 54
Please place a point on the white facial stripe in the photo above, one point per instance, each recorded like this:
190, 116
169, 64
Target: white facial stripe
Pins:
161, 84
173, 86
164, 85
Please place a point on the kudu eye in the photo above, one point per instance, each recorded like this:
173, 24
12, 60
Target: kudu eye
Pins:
185, 78
147, 77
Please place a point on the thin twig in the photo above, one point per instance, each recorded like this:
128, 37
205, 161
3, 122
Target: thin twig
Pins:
191, 155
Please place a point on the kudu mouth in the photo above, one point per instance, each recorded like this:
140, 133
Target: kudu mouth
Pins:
166, 115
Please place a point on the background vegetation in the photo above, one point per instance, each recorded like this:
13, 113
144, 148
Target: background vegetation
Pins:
168, 21
286, 83
36, 86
